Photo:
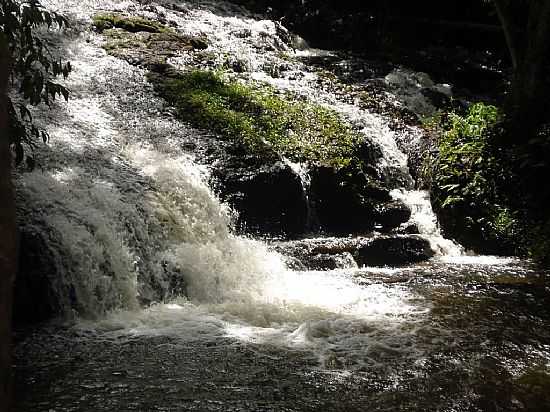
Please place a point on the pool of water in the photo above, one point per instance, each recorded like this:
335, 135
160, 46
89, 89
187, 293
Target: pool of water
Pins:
461, 334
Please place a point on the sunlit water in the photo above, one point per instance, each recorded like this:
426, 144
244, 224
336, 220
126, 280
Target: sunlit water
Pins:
127, 210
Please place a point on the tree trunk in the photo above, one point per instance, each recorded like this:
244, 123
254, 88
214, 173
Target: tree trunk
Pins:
512, 33
8, 239
529, 94
529, 47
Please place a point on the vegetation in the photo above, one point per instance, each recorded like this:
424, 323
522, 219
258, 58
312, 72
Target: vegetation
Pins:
467, 177
32, 68
264, 122
480, 189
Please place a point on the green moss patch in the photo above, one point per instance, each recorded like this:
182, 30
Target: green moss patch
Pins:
104, 21
266, 123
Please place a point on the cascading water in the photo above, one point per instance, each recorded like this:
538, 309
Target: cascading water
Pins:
130, 211
127, 212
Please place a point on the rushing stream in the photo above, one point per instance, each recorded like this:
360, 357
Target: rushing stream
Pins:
122, 200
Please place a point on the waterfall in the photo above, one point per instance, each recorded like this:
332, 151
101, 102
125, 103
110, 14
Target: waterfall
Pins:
127, 212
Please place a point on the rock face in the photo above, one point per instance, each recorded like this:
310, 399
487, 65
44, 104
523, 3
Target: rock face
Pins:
352, 202
332, 253
269, 197
35, 299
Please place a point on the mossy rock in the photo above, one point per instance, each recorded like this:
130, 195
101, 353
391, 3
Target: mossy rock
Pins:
149, 49
133, 24
262, 120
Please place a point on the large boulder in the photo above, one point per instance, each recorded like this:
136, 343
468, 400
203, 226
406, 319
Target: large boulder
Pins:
349, 201
269, 198
333, 253
394, 250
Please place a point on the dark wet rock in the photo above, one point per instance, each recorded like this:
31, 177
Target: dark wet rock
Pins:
391, 214
437, 98
326, 261
269, 197
369, 153
242, 33
341, 204
408, 229
394, 250
237, 65
132, 24
376, 250
420, 149
350, 201
309, 260
318, 254
35, 298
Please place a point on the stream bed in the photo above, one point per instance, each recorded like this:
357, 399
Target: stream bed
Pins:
469, 334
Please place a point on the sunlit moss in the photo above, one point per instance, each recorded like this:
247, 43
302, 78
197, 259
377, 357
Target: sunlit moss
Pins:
259, 118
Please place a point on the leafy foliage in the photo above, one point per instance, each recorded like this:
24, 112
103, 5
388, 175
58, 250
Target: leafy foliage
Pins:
468, 176
464, 164
263, 121
32, 69
491, 198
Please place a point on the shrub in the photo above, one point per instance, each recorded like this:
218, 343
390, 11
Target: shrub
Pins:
469, 177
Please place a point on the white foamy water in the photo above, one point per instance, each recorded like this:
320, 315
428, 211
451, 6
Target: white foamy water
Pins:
128, 213
424, 218
343, 323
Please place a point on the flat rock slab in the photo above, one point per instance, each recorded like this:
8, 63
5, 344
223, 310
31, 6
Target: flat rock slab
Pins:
375, 250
